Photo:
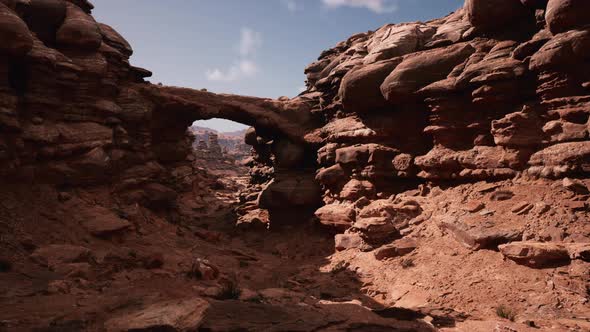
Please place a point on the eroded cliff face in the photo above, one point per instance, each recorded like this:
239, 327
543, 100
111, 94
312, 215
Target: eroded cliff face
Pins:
446, 163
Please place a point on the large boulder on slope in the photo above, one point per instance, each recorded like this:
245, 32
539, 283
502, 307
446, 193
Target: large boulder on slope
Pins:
564, 15
339, 217
15, 37
536, 254
290, 191
486, 15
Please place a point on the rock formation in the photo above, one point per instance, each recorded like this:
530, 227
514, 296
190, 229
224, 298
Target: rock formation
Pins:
447, 160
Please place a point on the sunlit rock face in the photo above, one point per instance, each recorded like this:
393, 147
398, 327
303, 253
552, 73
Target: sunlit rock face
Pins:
472, 96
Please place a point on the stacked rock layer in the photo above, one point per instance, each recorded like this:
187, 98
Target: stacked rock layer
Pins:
489, 92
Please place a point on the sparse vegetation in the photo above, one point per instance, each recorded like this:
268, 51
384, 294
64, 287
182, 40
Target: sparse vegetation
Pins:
230, 289
194, 272
339, 267
505, 312
407, 263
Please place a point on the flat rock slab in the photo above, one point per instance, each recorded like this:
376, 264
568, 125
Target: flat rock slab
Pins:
481, 236
177, 315
536, 254
398, 248
56, 254
102, 222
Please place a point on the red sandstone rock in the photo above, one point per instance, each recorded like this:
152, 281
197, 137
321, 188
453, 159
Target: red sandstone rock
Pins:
422, 69
359, 89
185, 315
483, 97
564, 15
336, 216
537, 255
79, 30
54, 255
487, 15
397, 248
16, 37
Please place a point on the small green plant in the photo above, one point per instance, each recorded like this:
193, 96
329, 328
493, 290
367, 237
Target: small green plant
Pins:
230, 290
504, 312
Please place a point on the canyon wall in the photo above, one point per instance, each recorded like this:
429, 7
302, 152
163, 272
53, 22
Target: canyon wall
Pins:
447, 159
489, 92
76, 113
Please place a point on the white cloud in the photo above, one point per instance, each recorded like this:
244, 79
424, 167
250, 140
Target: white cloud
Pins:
377, 6
241, 69
301, 88
249, 44
250, 41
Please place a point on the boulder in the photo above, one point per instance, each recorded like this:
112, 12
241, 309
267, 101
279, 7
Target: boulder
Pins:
494, 15
383, 219
254, 219
158, 196
481, 235
14, 33
356, 189
114, 39
398, 248
348, 241
339, 217
358, 156
579, 251
536, 254
392, 41
102, 222
175, 315
564, 15
421, 69
58, 254
79, 30
290, 191
332, 176
359, 89
575, 186
564, 51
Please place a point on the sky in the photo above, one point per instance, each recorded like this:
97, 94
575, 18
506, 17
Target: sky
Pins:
249, 47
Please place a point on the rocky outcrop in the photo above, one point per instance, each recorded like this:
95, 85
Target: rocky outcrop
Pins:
458, 98
432, 149
107, 125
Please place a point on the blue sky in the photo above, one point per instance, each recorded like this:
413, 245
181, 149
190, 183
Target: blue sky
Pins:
249, 47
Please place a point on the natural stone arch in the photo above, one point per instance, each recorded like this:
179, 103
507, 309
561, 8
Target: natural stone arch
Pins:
288, 118
282, 125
